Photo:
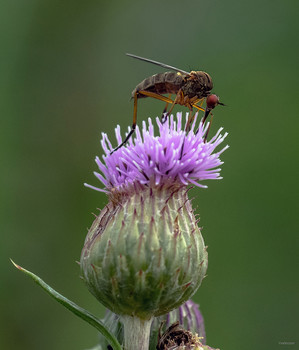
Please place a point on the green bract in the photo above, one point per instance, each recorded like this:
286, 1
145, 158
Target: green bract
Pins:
144, 255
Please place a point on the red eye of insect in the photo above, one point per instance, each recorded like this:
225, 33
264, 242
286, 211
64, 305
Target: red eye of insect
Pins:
212, 101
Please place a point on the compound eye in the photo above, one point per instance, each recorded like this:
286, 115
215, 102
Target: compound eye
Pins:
212, 101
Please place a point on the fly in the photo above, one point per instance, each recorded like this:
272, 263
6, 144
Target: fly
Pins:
190, 90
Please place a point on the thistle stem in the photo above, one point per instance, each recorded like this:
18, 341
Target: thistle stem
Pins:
136, 333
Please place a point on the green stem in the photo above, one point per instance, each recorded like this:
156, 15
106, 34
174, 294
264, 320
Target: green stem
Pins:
136, 333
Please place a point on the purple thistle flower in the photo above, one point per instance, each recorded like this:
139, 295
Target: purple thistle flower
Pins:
173, 156
144, 255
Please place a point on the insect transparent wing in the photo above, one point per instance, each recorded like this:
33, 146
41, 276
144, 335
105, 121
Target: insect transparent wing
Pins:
157, 63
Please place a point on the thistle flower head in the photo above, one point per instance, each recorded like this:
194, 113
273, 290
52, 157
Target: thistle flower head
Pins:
144, 255
172, 156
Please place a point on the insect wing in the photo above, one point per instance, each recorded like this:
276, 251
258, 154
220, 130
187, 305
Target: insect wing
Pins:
157, 63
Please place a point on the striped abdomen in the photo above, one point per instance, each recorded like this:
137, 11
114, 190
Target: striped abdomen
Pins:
161, 83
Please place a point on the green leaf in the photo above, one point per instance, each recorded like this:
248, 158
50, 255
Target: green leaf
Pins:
77, 310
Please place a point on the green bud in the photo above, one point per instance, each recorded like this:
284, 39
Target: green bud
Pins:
144, 255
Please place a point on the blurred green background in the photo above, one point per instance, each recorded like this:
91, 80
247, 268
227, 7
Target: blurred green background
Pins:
65, 79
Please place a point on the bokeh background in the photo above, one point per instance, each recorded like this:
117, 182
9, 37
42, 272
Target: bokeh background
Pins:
65, 79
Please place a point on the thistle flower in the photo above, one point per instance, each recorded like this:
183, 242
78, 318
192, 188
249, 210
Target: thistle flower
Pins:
168, 159
144, 255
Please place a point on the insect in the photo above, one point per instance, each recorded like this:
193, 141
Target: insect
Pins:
189, 89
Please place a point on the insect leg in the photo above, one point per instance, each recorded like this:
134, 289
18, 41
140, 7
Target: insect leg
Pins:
155, 95
199, 108
206, 135
194, 103
168, 100
176, 100
190, 119
164, 113
187, 128
133, 125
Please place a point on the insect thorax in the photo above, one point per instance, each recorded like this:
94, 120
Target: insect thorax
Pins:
198, 84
